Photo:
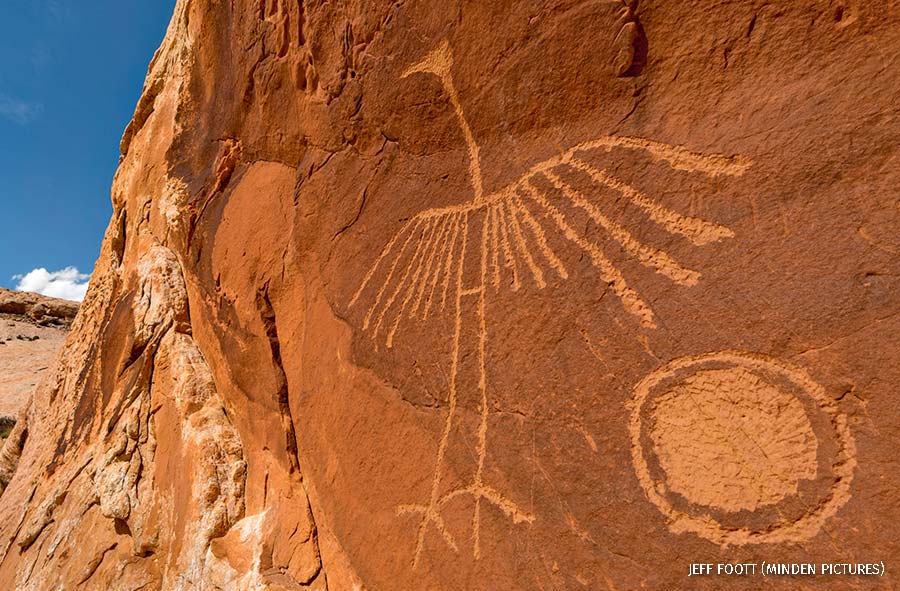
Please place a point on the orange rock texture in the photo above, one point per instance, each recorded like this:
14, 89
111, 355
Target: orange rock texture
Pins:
410, 296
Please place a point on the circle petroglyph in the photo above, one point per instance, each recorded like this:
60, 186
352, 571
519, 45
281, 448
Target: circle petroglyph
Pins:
727, 439
733, 434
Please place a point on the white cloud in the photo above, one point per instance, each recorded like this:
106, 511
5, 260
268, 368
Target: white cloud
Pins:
67, 284
18, 110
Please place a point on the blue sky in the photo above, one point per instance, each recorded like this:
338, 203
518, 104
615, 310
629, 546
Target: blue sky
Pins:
71, 73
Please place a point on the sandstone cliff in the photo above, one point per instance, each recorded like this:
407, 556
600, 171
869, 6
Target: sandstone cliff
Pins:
32, 329
483, 295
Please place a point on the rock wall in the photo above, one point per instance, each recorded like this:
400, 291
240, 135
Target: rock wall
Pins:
512, 295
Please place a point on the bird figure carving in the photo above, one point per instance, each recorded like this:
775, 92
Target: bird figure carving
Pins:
506, 233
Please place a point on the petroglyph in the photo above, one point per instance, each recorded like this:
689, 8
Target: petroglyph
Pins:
732, 431
506, 232
727, 439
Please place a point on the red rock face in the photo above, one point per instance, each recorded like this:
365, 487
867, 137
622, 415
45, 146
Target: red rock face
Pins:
483, 296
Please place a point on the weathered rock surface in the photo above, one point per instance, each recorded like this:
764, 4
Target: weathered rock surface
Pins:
517, 295
32, 330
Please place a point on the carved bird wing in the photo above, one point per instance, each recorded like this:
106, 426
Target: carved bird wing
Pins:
422, 264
